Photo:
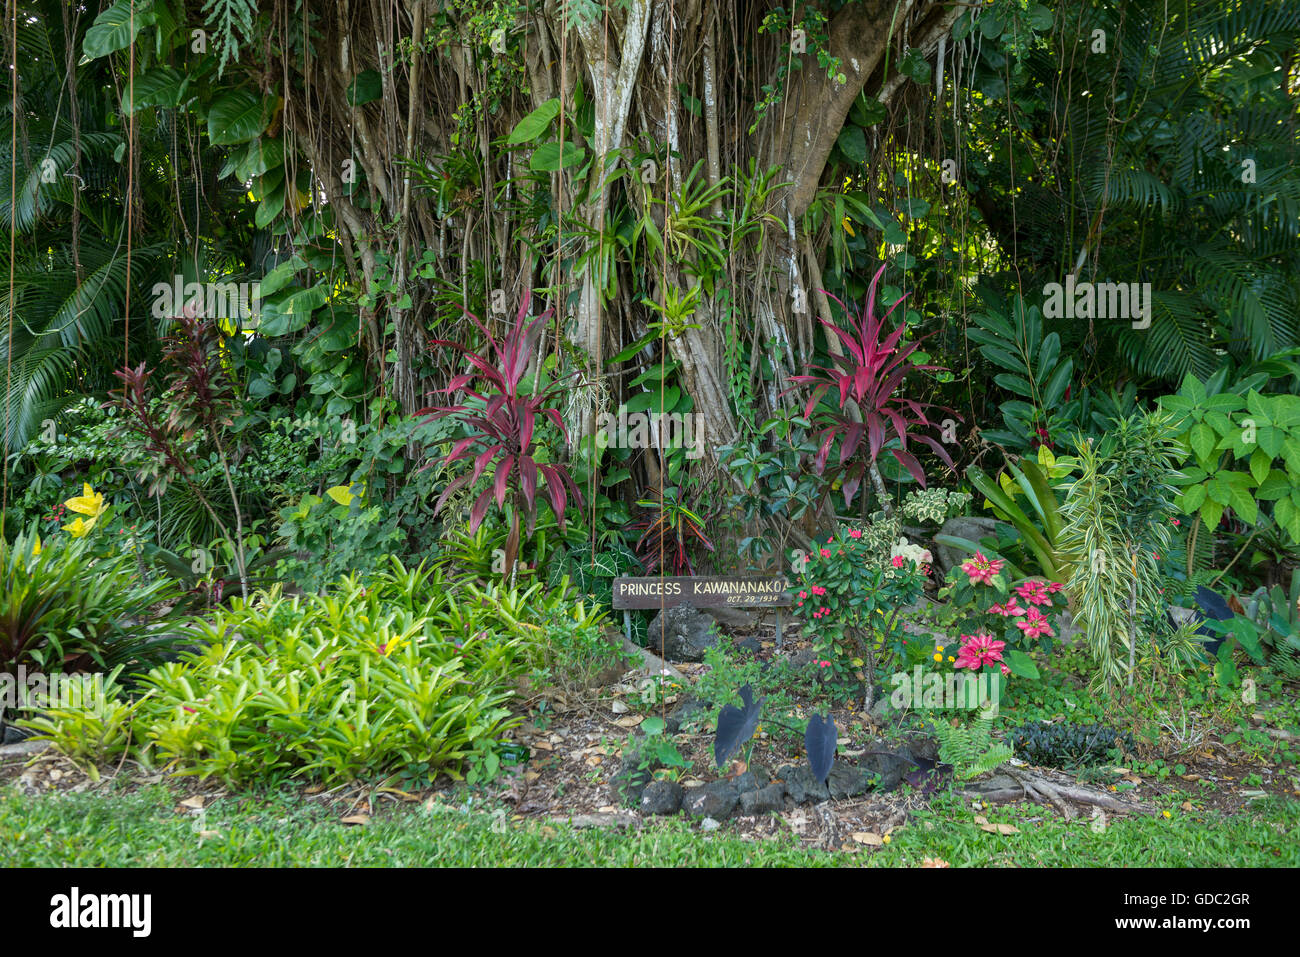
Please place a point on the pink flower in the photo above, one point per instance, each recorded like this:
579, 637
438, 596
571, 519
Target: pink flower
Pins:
818, 590
1034, 592
897, 561
1009, 610
1175, 521
803, 594
981, 569
1054, 587
826, 553
855, 533
1036, 624
824, 664
1005, 669
979, 650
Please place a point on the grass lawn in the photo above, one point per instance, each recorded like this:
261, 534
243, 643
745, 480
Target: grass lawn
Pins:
145, 828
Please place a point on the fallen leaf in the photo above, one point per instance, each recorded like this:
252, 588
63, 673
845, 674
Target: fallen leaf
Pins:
209, 835
404, 795
1132, 779
867, 837
356, 819
935, 862
981, 819
544, 745
618, 707
548, 831
630, 721
1190, 777
193, 803
594, 761
1000, 828
1187, 806
531, 776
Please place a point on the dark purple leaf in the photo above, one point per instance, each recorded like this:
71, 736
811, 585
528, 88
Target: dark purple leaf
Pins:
736, 725
819, 741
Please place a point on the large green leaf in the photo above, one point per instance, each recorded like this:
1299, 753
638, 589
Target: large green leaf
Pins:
853, 144
366, 88
117, 27
161, 86
547, 157
237, 117
535, 123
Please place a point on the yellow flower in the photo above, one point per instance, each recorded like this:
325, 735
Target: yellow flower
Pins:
951, 658
79, 527
938, 657
885, 839
1166, 814
939, 648
36, 546
848, 228
89, 503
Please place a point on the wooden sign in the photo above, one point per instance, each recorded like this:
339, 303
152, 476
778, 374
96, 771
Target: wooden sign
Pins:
702, 592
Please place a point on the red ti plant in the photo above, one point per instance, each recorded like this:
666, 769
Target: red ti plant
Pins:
199, 400
502, 422
868, 377
670, 530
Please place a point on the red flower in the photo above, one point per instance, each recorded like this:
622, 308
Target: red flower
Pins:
981, 569
1036, 624
979, 650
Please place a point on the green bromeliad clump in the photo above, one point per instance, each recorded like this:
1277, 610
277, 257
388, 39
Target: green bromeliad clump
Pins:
361, 681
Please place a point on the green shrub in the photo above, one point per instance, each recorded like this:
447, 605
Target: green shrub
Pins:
361, 681
1067, 745
63, 607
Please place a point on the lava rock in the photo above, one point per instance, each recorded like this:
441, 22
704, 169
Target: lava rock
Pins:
764, 800
846, 781
732, 617
801, 785
890, 766
971, 528
717, 800
661, 797
682, 633
631, 778
12, 735
750, 644
752, 780
687, 709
